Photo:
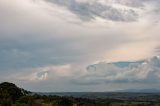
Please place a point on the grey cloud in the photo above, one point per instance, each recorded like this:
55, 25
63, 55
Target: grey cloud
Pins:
85, 82
132, 3
88, 11
37, 38
32, 53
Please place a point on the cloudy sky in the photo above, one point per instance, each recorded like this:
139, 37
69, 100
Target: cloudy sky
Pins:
77, 45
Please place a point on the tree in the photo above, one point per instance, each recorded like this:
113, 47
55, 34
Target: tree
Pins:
11, 91
62, 102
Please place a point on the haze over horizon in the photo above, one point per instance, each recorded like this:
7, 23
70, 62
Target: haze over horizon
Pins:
80, 45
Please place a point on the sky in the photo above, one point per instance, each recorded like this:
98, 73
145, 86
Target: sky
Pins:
80, 45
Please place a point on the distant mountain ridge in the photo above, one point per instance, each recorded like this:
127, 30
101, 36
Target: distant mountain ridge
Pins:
151, 90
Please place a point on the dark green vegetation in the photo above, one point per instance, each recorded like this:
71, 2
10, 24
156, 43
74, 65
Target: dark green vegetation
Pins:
11, 95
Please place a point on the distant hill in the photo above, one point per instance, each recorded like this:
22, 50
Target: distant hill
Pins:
152, 90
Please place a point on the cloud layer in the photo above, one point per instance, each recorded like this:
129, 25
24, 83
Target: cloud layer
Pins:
55, 42
88, 10
143, 72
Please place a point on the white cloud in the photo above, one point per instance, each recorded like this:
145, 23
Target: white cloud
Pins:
123, 72
45, 73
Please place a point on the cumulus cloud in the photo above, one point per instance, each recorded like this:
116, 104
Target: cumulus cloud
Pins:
144, 71
45, 73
